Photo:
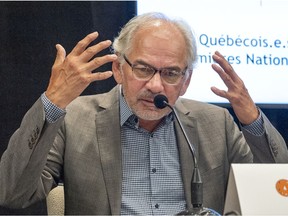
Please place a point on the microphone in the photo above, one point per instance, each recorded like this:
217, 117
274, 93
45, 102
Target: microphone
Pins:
161, 101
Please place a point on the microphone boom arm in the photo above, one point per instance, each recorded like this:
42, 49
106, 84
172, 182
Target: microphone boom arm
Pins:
161, 102
196, 183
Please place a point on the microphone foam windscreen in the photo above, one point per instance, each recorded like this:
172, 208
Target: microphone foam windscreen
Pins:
160, 101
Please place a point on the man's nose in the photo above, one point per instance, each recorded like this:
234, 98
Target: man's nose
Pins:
155, 84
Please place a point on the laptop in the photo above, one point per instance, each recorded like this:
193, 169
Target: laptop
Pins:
257, 189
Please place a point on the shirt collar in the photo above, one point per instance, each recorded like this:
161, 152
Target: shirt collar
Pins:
125, 111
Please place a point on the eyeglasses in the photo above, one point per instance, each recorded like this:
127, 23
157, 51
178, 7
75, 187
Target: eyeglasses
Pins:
145, 73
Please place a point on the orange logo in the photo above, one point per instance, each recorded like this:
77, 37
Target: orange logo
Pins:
282, 187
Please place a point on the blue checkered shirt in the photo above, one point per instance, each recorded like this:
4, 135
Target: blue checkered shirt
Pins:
152, 181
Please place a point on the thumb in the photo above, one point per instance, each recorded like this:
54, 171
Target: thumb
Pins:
60, 56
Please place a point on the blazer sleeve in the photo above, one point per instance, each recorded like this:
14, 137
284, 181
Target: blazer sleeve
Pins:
22, 179
268, 148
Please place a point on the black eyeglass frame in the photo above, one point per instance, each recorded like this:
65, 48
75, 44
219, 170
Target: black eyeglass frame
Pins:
182, 73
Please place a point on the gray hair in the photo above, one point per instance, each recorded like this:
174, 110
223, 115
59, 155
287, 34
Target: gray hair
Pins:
122, 43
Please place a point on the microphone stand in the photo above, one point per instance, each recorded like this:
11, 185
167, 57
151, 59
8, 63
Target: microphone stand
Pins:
161, 102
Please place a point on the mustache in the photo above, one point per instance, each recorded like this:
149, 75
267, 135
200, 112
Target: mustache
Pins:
147, 95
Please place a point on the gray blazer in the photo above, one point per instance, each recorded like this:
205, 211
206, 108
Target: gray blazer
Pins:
84, 150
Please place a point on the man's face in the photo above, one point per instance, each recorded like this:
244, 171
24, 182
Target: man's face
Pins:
160, 46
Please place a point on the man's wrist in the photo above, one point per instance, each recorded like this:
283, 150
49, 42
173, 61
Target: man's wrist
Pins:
257, 127
52, 111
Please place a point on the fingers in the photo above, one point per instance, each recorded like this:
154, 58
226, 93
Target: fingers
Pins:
99, 61
229, 77
223, 75
237, 94
224, 64
72, 74
90, 52
100, 76
83, 44
220, 59
84, 53
225, 71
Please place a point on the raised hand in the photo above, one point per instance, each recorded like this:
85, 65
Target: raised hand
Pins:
237, 94
72, 74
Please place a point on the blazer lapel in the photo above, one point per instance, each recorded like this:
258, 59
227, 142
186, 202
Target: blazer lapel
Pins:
109, 139
186, 159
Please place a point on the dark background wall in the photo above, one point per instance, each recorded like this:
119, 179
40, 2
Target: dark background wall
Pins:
29, 32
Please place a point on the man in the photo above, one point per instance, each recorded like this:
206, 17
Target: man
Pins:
116, 152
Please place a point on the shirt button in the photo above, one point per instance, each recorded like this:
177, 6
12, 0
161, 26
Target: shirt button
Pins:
154, 170
157, 206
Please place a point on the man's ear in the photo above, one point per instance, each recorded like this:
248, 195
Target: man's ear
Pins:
116, 68
186, 83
